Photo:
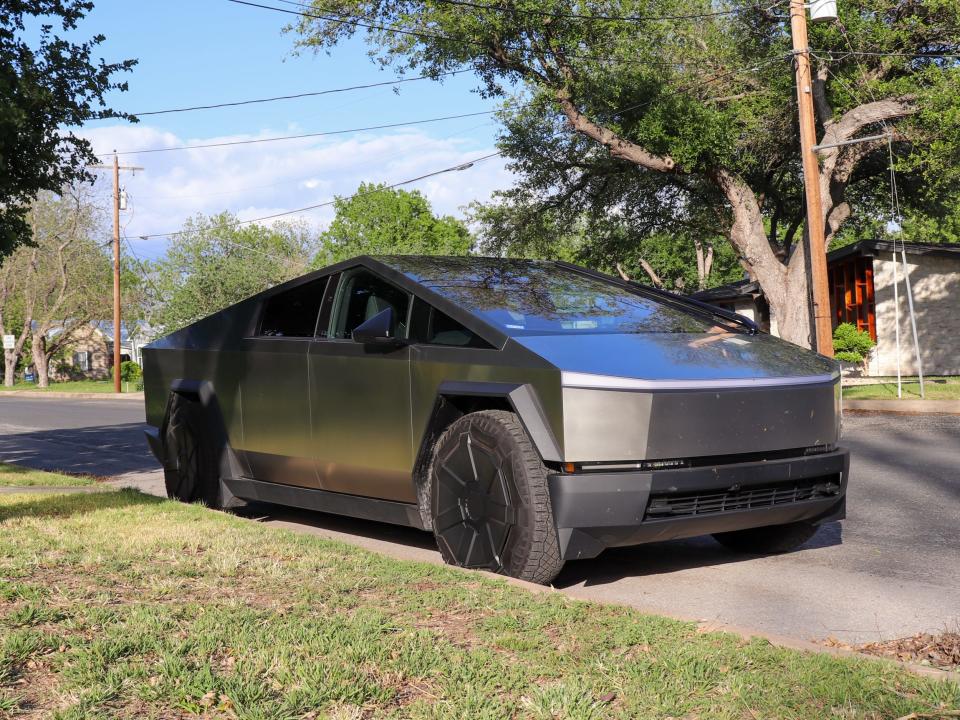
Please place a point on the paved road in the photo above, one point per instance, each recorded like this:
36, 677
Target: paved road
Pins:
891, 569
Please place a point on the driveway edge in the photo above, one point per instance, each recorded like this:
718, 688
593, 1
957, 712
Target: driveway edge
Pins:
905, 407
54, 394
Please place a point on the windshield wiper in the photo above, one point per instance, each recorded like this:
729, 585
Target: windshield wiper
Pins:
681, 302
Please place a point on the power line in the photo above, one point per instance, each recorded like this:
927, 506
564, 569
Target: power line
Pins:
297, 95
300, 137
833, 54
461, 166
422, 35
597, 18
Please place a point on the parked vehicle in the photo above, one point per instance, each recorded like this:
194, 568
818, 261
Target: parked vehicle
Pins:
526, 412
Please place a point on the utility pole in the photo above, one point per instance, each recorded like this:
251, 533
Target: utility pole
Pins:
116, 167
816, 246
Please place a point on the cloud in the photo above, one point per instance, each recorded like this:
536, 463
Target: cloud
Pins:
261, 179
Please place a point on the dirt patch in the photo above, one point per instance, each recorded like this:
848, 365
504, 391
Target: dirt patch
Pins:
940, 651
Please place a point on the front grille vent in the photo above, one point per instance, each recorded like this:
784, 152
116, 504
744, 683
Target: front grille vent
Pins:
713, 502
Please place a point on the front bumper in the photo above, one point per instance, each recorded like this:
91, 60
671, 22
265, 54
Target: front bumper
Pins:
597, 510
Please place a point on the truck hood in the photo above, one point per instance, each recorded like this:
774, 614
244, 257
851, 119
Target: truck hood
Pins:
679, 360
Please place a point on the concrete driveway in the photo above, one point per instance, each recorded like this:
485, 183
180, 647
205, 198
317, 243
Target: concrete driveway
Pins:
890, 570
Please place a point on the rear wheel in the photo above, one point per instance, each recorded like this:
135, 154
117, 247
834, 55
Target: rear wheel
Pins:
190, 471
490, 504
768, 540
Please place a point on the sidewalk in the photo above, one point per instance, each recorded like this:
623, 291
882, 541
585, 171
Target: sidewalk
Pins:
904, 407
138, 396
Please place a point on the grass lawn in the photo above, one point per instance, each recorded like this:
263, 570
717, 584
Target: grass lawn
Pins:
122, 605
935, 388
16, 475
80, 386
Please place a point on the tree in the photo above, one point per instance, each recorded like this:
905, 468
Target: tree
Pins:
635, 109
382, 220
214, 263
58, 283
44, 89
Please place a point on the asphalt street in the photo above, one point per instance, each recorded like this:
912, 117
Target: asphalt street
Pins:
890, 570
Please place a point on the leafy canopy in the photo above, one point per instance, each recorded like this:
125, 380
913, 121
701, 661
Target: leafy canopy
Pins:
44, 88
215, 263
382, 220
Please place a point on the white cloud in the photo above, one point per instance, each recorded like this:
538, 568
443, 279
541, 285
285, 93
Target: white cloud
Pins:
262, 179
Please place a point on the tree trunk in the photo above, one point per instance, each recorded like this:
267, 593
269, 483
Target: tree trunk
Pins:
10, 358
790, 308
41, 361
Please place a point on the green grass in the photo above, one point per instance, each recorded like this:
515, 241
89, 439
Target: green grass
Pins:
935, 388
14, 475
122, 605
79, 386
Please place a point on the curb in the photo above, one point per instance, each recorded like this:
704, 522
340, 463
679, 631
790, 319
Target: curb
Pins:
51, 489
54, 394
904, 407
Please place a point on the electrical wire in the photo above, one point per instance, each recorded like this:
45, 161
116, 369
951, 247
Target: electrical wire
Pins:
297, 95
299, 137
597, 18
835, 55
422, 35
461, 166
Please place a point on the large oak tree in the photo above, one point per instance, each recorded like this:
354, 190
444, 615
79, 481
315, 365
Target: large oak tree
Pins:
633, 109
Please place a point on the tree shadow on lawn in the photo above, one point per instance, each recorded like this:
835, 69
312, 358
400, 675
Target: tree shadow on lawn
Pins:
72, 504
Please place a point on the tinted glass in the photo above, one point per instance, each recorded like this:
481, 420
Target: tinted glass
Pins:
524, 297
432, 327
293, 313
363, 295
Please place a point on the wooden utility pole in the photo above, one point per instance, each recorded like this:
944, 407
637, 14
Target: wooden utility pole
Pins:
116, 264
816, 245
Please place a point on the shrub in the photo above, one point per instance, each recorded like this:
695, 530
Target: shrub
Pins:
130, 372
851, 344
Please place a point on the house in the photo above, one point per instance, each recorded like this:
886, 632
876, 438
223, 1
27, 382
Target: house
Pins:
89, 352
867, 288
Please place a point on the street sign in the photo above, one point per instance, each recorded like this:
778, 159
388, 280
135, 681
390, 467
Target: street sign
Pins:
9, 342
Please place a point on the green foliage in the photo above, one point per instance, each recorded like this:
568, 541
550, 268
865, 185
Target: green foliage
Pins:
46, 86
851, 344
378, 220
215, 263
714, 93
130, 371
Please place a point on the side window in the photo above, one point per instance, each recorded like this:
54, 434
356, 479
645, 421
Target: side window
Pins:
363, 295
293, 313
433, 327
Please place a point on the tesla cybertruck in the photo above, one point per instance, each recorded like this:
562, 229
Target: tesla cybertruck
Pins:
525, 412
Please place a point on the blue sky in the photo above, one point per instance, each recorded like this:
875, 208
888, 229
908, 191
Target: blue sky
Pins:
211, 51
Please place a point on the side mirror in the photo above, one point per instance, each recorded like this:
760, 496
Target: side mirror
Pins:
377, 330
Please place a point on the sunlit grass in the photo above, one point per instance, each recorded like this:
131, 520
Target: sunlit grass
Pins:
14, 475
935, 388
79, 386
124, 605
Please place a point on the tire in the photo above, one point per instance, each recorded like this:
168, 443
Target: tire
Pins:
489, 500
190, 471
768, 540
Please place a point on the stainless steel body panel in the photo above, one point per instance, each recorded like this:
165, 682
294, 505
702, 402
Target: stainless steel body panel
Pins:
360, 432
275, 442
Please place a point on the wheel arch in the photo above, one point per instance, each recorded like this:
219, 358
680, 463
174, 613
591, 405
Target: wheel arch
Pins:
215, 427
458, 398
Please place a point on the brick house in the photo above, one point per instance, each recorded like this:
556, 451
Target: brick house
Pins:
863, 292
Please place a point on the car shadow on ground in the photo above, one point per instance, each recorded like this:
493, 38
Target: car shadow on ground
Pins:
100, 450
611, 566
671, 556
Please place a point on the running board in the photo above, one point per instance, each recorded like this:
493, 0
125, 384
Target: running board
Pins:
388, 511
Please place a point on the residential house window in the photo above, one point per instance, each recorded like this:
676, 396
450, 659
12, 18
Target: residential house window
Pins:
851, 294
81, 361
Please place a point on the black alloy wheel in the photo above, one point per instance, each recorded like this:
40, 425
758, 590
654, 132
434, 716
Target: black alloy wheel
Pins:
190, 470
490, 504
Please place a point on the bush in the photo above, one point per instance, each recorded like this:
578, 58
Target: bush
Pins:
851, 344
130, 372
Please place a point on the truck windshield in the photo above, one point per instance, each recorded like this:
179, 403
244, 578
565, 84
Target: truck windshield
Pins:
524, 297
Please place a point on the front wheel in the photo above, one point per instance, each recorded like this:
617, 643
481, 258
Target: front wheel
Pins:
489, 501
768, 540
190, 467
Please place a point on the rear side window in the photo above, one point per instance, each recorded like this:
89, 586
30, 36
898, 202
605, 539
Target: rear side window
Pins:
432, 327
293, 313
